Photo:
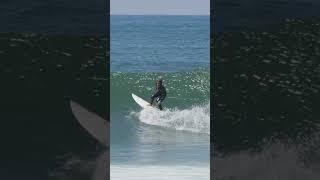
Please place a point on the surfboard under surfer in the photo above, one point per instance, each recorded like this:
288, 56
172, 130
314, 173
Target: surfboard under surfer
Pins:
159, 95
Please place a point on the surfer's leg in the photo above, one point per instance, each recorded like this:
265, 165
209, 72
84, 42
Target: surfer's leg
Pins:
159, 101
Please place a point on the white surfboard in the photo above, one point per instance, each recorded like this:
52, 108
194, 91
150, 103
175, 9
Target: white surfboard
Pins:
142, 103
95, 125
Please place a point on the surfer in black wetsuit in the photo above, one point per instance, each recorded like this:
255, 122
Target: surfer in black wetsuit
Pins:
159, 95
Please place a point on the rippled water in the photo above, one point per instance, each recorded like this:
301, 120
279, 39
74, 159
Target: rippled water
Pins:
173, 143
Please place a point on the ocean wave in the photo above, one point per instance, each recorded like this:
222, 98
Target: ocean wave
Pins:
194, 119
183, 88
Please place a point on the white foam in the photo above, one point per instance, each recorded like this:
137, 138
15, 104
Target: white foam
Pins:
156, 172
195, 119
275, 162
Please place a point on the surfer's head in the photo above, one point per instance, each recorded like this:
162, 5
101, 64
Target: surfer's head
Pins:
159, 82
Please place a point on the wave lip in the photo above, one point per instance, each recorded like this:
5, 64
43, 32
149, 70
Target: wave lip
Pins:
194, 119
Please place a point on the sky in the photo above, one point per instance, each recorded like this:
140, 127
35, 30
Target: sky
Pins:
160, 7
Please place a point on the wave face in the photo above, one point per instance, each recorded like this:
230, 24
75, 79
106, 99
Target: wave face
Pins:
266, 102
268, 84
184, 89
186, 105
40, 74
148, 138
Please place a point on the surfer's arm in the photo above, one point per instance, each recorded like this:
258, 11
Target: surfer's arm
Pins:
154, 96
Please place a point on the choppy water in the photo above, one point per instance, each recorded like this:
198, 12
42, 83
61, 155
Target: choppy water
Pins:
40, 74
159, 43
266, 102
148, 144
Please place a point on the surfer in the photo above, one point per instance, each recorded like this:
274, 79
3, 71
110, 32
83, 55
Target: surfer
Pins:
160, 94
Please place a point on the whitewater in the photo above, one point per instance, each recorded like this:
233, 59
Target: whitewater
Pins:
194, 119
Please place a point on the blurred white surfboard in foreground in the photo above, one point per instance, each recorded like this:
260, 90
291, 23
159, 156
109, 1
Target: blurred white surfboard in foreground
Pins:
95, 125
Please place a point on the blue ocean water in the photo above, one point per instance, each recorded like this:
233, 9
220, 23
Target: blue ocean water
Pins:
174, 143
159, 43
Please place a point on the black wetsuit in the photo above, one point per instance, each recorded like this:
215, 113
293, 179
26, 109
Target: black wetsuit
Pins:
159, 95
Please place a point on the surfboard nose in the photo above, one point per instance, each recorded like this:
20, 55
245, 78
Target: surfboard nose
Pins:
92, 123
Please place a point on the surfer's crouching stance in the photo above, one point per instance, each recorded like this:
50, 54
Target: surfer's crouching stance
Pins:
159, 95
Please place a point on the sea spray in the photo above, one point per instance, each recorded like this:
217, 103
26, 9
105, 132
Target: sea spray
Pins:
277, 161
194, 119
